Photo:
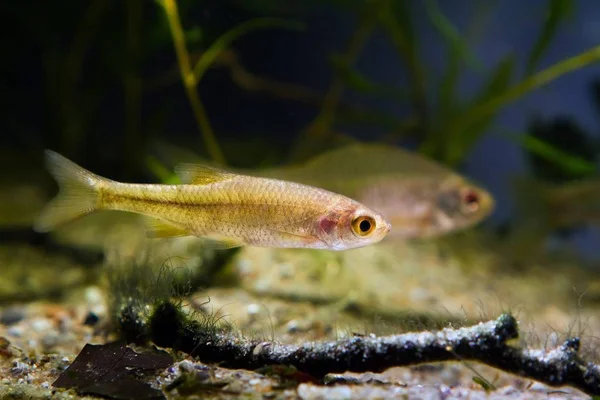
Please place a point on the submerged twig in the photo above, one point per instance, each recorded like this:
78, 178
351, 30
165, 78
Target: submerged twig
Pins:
485, 342
190, 82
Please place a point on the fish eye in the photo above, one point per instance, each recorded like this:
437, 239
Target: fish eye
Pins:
364, 225
470, 201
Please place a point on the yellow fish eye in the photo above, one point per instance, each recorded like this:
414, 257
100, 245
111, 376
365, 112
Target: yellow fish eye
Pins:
363, 225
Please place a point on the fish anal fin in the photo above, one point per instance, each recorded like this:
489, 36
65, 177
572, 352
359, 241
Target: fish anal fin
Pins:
157, 228
221, 242
197, 174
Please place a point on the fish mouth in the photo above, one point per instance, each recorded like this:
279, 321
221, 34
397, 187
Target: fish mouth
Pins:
388, 227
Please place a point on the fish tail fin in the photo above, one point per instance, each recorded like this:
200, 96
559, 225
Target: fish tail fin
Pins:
78, 193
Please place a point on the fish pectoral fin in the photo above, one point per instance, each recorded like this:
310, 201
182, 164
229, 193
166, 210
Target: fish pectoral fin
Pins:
196, 174
221, 242
156, 228
293, 237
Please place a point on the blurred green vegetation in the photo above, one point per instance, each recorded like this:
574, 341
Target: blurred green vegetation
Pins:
115, 41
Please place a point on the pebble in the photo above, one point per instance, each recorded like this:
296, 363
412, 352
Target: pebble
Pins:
244, 267
19, 368
292, 326
15, 331
253, 309
40, 324
93, 296
45, 385
12, 315
91, 319
450, 376
50, 340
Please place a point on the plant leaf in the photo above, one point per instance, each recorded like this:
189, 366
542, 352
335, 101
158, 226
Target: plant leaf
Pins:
395, 19
363, 84
557, 12
482, 111
451, 35
224, 41
464, 139
571, 163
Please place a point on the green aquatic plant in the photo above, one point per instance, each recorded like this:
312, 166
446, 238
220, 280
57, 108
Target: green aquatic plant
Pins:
459, 126
450, 129
191, 76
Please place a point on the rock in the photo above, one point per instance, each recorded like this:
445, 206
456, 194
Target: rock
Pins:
12, 315
91, 319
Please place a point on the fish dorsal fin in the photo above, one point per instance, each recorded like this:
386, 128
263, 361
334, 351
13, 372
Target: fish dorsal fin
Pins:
372, 158
197, 174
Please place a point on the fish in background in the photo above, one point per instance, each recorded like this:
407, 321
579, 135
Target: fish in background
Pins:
546, 208
229, 209
559, 206
420, 197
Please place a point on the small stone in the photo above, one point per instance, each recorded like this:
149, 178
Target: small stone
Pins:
15, 331
93, 296
45, 385
450, 376
253, 309
50, 340
19, 368
12, 315
244, 267
5, 348
292, 326
40, 324
91, 319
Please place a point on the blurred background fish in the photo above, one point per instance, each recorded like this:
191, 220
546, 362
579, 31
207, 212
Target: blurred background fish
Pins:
560, 206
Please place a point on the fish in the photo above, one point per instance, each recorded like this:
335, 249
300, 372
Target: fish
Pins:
558, 206
227, 209
420, 197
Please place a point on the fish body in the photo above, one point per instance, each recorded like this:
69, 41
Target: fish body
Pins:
229, 209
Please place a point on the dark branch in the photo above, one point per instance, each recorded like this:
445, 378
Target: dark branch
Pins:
484, 342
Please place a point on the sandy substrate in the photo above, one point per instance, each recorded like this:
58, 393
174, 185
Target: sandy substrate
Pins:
39, 340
